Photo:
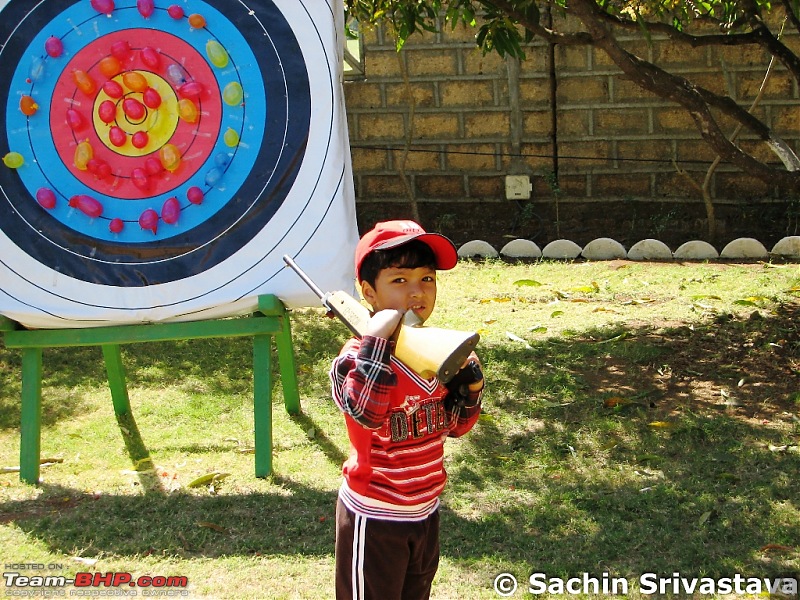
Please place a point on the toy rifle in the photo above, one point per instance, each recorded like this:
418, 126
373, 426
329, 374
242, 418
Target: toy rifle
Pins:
427, 350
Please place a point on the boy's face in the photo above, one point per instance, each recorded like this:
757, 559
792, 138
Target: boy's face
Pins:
403, 289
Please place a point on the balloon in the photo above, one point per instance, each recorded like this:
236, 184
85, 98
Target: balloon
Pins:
153, 166
175, 11
46, 198
145, 7
195, 195
134, 109
170, 157
148, 220
140, 179
103, 6
233, 94
222, 160
13, 160
75, 120
113, 89
99, 168
217, 54
83, 154
135, 81
150, 57
54, 47
213, 176
140, 139
151, 98
37, 69
197, 21
121, 49
28, 105
192, 89
117, 136
87, 205
231, 138
187, 110
84, 82
109, 66
107, 111
171, 210
116, 225
175, 74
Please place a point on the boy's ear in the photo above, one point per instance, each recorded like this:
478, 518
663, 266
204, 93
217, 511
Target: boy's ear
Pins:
368, 292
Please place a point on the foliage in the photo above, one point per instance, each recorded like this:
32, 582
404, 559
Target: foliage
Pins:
506, 26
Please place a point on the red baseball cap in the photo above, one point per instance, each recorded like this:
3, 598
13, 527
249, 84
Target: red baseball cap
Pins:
390, 234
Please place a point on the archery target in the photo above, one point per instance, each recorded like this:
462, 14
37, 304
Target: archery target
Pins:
160, 158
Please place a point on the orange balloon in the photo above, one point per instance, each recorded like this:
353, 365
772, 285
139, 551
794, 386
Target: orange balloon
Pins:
170, 157
197, 21
187, 110
28, 105
84, 82
109, 66
83, 154
134, 81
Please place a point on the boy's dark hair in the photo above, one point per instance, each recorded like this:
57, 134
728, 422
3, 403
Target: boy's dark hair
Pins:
411, 255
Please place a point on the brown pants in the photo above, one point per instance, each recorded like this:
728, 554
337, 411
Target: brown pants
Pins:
385, 560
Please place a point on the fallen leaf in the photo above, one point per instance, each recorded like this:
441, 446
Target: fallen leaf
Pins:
527, 283
488, 300
615, 401
616, 338
556, 313
208, 478
777, 548
603, 309
540, 329
661, 424
85, 561
515, 338
213, 526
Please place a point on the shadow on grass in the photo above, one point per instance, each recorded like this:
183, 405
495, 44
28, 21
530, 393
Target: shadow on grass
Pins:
611, 451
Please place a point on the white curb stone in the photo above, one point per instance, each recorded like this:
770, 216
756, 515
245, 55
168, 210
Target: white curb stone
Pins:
650, 249
604, 249
788, 247
477, 248
562, 249
696, 250
744, 248
521, 249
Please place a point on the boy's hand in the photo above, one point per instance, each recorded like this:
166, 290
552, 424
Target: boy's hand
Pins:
384, 323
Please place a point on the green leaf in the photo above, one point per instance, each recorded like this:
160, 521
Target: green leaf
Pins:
207, 479
527, 283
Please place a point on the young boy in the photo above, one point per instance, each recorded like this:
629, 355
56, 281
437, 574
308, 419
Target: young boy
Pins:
387, 519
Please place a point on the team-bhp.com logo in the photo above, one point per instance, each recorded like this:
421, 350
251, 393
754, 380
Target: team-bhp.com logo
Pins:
52, 585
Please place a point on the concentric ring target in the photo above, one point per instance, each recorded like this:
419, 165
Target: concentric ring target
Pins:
147, 148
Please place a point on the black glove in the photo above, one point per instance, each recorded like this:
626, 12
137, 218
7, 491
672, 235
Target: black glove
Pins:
458, 386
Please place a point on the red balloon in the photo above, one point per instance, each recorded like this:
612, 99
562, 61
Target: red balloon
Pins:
148, 220
113, 89
145, 7
151, 98
54, 46
192, 89
116, 225
153, 166
140, 139
107, 111
87, 205
175, 11
121, 49
150, 57
195, 195
140, 179
171, 210
103, 6
134, 109
103, 170
117, 136
75, 120
46, 197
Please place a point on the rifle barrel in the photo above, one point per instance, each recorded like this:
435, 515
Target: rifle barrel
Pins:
314, 287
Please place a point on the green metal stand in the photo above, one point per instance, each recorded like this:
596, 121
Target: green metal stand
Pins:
271, 320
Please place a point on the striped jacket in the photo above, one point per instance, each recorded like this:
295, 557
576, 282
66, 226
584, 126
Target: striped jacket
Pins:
397, 424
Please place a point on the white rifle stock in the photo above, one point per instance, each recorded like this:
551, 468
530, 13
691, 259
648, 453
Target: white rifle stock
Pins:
427, 350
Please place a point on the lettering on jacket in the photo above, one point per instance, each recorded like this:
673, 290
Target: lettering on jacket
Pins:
417, 420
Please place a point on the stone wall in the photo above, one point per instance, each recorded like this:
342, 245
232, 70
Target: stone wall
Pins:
442, 124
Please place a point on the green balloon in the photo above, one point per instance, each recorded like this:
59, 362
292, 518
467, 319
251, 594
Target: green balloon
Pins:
231, 138
233, 93
217, 54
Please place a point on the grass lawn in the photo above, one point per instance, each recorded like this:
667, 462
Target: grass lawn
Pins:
638, 418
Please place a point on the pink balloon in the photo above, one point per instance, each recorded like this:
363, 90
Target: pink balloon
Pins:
134, 109
117, 136
140, 179
195, 195
175, 11
46, 197
54, 47
145, 7
171, 210
116, 225
87, 205
192, 89
150, 57
75, 120
153, 166
148, 220
121, 50
140, 139
107, 111
103, 6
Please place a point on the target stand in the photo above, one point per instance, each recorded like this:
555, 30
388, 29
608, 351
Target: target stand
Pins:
270, 321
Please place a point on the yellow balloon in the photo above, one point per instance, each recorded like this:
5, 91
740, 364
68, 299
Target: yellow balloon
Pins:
187, 110
233, 93
83, 154
217, 54
170, 157
13, 160
231, 138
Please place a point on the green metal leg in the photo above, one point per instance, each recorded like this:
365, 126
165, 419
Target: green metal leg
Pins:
262, 404
31, 418
116, 379
286, 362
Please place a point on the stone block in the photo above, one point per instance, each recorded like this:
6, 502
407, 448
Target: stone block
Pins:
562, 249
477, 248
696, 250
521, 249
788, 247
650, 249
747, 248
603, 249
